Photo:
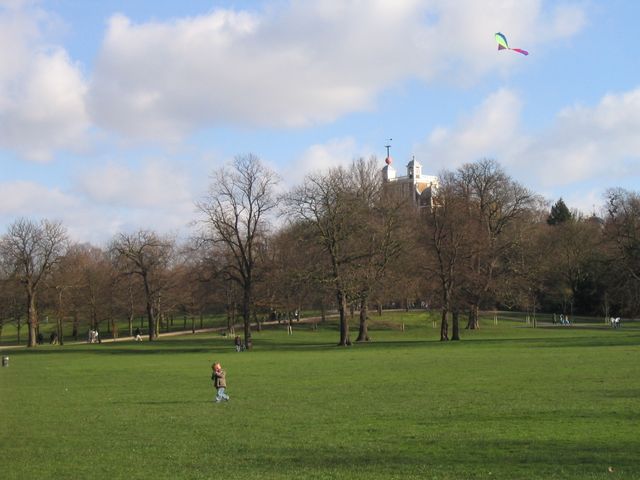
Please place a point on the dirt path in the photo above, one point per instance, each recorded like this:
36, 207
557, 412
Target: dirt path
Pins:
145, 338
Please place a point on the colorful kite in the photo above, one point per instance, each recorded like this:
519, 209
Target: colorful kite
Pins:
503, 45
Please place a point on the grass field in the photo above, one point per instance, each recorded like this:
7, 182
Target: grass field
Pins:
506, 402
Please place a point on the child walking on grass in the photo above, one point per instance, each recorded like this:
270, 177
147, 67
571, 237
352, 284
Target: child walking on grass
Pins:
220, 382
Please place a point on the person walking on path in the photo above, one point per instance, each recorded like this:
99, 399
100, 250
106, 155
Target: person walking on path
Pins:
219, 378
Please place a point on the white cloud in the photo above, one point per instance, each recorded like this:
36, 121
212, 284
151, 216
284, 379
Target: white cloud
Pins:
298, 62
567, 21
489, 131
597, 143
22, 198
320, 157
106, 201
155, 184
42, 106
589, 142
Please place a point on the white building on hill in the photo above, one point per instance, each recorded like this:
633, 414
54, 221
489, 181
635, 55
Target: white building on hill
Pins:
420, 188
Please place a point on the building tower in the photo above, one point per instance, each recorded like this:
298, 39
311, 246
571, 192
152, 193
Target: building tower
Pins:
418, 187
388, 172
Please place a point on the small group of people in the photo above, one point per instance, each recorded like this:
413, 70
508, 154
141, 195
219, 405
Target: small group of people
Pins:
615, 322
239, 344
93, 336
53, 338
564, 319
286, 316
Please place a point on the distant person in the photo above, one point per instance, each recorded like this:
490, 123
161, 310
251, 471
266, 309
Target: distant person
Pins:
39, 338
219, 378
238, 343
53, 338
137, 336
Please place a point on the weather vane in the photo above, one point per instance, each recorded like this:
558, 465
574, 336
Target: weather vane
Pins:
388, 146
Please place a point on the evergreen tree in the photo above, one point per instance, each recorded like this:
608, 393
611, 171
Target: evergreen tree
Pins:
559, 213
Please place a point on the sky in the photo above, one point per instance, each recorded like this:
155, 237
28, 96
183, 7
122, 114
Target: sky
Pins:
115, 113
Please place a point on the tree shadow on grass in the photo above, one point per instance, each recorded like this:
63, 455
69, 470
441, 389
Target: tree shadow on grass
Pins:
516, 457
163, 346
217, 344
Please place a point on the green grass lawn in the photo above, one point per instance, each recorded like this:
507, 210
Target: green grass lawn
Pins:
506, 402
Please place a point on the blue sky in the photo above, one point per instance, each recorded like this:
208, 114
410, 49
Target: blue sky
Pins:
114, 113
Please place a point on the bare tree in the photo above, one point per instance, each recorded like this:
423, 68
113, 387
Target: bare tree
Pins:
11, 301
31, 249
339, 206
236, 210
623, 227
322, 202
149, 256
448, 238
496, 206
379, 212
622, 232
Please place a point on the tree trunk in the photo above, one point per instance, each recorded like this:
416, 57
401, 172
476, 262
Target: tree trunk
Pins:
153, 335
474, 315
363, 332
246, 316
344, 321
32, 316
444, 327
59, 318
75, 326
60, 331
455, 322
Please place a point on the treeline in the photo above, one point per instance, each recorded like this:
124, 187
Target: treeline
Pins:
343, 240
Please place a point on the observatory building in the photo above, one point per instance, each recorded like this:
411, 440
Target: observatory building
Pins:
415, 185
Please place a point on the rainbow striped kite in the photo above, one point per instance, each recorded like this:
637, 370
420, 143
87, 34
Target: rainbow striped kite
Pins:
503, 45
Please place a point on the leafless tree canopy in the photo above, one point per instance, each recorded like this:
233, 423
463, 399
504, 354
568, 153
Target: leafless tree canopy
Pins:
29, 251
149, 256
236, 210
